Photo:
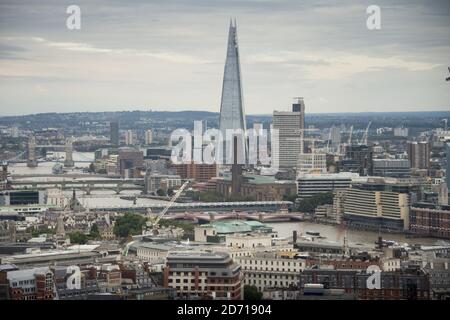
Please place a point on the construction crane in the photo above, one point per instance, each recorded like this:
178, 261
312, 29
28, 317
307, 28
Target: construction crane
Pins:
164, 211
366, 133
350, 136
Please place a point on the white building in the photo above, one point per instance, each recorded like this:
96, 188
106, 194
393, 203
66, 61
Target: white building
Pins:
312, 184
312, 163
148, 137
269, 271
252, 240
290, 126
129, 137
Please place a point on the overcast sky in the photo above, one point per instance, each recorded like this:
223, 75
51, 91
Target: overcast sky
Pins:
170, 54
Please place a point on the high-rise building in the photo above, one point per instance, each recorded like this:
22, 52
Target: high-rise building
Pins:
359, 159
335, 136
232, 115
129, 137
114, 132
290, 126
148, 137
419, 154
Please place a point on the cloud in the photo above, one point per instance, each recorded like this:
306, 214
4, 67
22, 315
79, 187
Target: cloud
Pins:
87, 48
337, 65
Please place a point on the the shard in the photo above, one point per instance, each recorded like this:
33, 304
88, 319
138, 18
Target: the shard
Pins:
232, 115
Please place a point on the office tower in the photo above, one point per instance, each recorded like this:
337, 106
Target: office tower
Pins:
68, 162
32, 161
129, 159
232, 115
148, 137
419, 154
309, 185
129, 137
290, 126
312, 163
359, 159
114, 133
335, 136
397, 168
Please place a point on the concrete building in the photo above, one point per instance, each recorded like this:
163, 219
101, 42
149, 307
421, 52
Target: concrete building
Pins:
129, 137
419, 154
248, 240
312, 163
152, 252
397, 168
377, 205
210, 275
309, 185
148, 139
335, 137
290, 126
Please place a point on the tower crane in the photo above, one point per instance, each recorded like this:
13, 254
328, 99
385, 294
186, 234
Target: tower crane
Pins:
155, 225
366, 133
350, 136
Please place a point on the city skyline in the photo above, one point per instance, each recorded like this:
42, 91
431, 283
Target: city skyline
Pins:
138, 56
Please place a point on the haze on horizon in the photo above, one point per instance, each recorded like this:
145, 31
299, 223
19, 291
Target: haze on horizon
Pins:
169, 55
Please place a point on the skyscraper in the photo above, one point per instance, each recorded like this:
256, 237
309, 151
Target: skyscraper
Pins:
114, 133
419, 154
148, 137
232, 115
290, 125
129, 135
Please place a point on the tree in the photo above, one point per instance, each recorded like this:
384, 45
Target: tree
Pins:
252, 293
161, 192
310, 204
128, 225
78, 237
94, 233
